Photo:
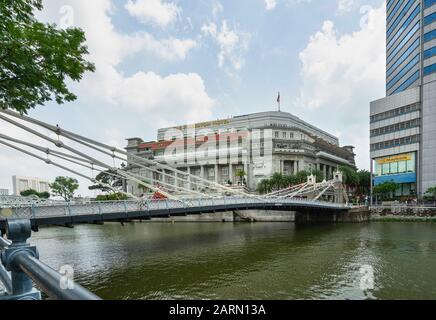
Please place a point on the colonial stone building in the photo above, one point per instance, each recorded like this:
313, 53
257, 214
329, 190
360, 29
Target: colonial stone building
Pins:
242, 150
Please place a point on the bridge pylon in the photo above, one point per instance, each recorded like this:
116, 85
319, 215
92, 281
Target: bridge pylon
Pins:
340, 192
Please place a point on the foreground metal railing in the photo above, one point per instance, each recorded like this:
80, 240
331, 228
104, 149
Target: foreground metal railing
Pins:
21, 268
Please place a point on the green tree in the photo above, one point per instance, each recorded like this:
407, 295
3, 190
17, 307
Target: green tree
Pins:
364, 186
431, 192
64, 187
350, 177
264, 186
277, 181
386, 190
37, 59
32, 192
107, 178
241, 175
112, 197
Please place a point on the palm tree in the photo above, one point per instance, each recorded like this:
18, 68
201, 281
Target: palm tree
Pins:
264, 186
364, 182
241, 174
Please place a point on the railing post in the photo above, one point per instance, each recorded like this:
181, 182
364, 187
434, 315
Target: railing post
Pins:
22, 260
33, 210
147, 204
18, 231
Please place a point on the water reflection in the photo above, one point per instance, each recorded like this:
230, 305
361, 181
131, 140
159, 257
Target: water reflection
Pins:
246, 261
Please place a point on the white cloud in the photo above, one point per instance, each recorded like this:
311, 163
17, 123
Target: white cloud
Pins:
170, 49
217, 8
181, 96
346, 5
233, 44
154, 99
341, 74
153, 11
343, 6
270, 4
166, 97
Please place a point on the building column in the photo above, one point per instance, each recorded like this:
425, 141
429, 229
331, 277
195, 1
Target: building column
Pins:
231, 177
202, 175
189, 177
294, 164
246, 172
216, 174
300, 165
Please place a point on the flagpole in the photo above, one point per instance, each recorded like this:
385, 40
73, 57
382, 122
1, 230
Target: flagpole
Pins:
278, 101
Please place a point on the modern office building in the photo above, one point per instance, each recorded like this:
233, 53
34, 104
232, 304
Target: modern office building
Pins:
4, 192
20, 184
403, 125
259, 144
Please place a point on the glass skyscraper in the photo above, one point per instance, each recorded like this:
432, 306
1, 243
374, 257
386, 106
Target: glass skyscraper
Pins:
403, 125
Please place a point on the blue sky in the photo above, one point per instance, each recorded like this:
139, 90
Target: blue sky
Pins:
167, 62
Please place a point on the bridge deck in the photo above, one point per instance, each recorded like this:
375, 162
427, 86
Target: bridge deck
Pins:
73, 213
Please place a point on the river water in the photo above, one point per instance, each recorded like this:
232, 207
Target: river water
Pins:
247, 261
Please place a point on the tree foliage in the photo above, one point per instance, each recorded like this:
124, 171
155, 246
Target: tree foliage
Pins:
64, 187
32, 192
37, 59
386, 189
241, 175
364, 186
358, 181
280, 181
431, 192
112, 197
350, 177
107, 178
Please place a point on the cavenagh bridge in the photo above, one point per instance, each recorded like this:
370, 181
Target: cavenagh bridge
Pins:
179, 194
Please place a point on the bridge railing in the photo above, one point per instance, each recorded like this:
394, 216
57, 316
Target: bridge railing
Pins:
29, 211
21, 268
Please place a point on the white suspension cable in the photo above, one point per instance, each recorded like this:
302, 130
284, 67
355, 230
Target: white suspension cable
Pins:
64, 133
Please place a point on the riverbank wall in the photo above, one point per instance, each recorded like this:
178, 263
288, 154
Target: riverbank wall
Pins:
357, 215
403, 213
235, 216
352, 216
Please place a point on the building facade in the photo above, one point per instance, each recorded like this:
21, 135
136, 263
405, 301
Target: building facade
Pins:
20, 184
4, 192
258, 145
403, 125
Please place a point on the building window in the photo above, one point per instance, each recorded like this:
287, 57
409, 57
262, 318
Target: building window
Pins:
395, 127
430, 69
276, 134
398, 164
284, 135
429, 3
394, 113
395, 143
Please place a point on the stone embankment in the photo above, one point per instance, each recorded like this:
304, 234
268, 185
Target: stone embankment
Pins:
403, 213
